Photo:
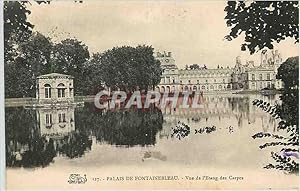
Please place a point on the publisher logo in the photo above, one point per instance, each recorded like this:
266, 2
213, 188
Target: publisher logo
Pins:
77, 179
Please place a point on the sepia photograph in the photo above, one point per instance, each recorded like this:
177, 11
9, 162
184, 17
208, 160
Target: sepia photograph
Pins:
168, 95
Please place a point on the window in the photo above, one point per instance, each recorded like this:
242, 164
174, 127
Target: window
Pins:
189, 81
61, 90
48, 119
61, 117
47, 91
206, 81
181, 81
253, 76
223, 80
197, 81
173, 81
203, 87
168, 80
260, 77
215, 80
71, 92
268, 77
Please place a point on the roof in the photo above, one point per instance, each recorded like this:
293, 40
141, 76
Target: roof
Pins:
207, 71
54, 75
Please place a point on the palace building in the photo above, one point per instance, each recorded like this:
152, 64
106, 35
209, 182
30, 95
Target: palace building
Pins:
240, 77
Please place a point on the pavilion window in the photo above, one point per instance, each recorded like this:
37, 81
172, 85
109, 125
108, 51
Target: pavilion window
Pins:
61, 90
62, 117
48, 119
47, 91
71, 92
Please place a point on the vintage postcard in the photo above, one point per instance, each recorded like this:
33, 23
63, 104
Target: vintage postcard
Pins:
169, 95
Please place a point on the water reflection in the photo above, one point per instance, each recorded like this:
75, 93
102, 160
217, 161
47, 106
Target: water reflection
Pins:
34, 138
221, 109
122, 128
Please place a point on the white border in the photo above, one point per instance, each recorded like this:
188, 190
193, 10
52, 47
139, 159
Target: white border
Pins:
2, 104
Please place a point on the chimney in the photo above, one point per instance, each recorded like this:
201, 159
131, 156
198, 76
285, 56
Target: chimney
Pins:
169, 54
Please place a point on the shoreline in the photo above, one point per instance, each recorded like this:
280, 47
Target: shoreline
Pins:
28, 101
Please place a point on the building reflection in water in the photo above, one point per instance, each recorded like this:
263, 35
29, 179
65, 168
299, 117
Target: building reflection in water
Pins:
221, 108
35, 137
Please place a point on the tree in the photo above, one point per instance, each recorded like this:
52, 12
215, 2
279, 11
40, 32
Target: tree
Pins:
288, 113
288, 72
32, 60
262, 22
37, 51
69, 57
16, 27
128, 67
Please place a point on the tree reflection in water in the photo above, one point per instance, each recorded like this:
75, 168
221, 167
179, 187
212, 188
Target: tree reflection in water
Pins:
24, 146
122, 128
75, 145
30, 143
27, 146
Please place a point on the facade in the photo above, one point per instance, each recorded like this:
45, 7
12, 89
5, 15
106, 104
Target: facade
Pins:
240, 77
54, 87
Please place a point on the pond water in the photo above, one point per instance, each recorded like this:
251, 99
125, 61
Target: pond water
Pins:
213, 139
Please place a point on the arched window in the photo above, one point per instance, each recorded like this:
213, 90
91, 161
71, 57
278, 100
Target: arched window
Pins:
168, 89
47, 91
61, 90
157, 89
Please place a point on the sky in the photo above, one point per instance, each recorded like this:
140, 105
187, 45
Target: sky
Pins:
192, 30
